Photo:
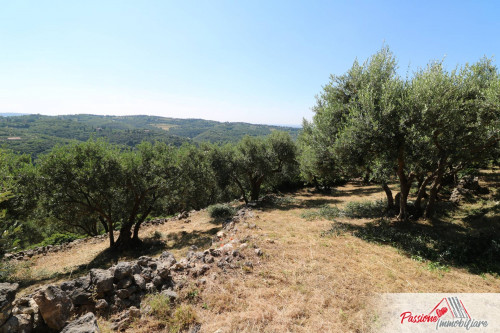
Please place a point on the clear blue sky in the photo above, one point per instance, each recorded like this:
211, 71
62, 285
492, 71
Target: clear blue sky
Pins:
252, 61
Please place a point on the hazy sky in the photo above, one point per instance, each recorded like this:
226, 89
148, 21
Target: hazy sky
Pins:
252, 61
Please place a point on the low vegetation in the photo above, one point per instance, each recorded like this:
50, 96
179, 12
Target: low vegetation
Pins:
221, 211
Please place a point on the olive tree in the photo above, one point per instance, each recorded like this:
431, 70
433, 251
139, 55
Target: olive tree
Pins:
94, 180
253, 162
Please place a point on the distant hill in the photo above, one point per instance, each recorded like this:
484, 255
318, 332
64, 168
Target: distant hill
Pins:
36, 134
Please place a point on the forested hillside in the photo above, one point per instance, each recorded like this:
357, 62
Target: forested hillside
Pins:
36, 134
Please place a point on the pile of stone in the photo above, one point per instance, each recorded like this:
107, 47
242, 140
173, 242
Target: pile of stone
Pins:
466, 187
108, 291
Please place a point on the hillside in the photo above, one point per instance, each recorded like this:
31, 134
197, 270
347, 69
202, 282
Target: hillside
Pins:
303, 271
36, 134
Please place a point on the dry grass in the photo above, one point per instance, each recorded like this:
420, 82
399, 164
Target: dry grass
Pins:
164, 127
177, 236
304, 282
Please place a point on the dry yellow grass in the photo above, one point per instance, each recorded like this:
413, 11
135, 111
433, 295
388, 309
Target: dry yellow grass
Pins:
164, 127
304, 282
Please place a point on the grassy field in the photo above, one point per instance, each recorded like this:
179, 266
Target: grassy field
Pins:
318, 273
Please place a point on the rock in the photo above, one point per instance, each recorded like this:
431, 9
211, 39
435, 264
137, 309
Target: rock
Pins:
164, 271
102, 280
227, 248
80, 297
54, 305
157, 281
258, 252
24, 305
134, 312
179, 266
221, 234
101, 305
123, 293
456, 196
150, 287
139, 281
144, 261
167, 259
208, 259
123, 270
200, 270
84, 324
183, 215
11, 325
125, 283
7, 295
147, 274
243, 246
172, 295
136, 269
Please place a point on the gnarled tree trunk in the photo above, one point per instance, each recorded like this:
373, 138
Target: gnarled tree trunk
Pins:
388, 193
435, 187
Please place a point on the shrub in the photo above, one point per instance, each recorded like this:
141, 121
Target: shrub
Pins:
221, 211
57, 239
182, 318
158, 306
177, 319
325, 212
364, 209
7, 271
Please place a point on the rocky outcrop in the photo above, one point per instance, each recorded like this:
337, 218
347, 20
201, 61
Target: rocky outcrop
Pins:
7, 295
54, 305
467, 187
84, 324
120, 288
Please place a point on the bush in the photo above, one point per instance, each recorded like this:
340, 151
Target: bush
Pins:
182, 318
7, 271
364, 209
325, 212
158, 306
176, 319
221, 211
58, 239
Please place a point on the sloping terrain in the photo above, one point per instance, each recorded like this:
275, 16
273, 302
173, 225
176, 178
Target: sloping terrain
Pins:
36, 134
313, 276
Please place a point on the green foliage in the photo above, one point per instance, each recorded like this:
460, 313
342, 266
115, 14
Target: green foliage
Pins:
7, 271
370, 122
39, 134
183, 318
365, 209
353, 209
93, 184
176, 319
58, 239
158, 305
325, 212
196, 182
221, 211
255, 162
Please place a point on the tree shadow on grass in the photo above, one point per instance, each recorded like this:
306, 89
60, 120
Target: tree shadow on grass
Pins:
449, 244
182, 239
293, 203
149, 247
